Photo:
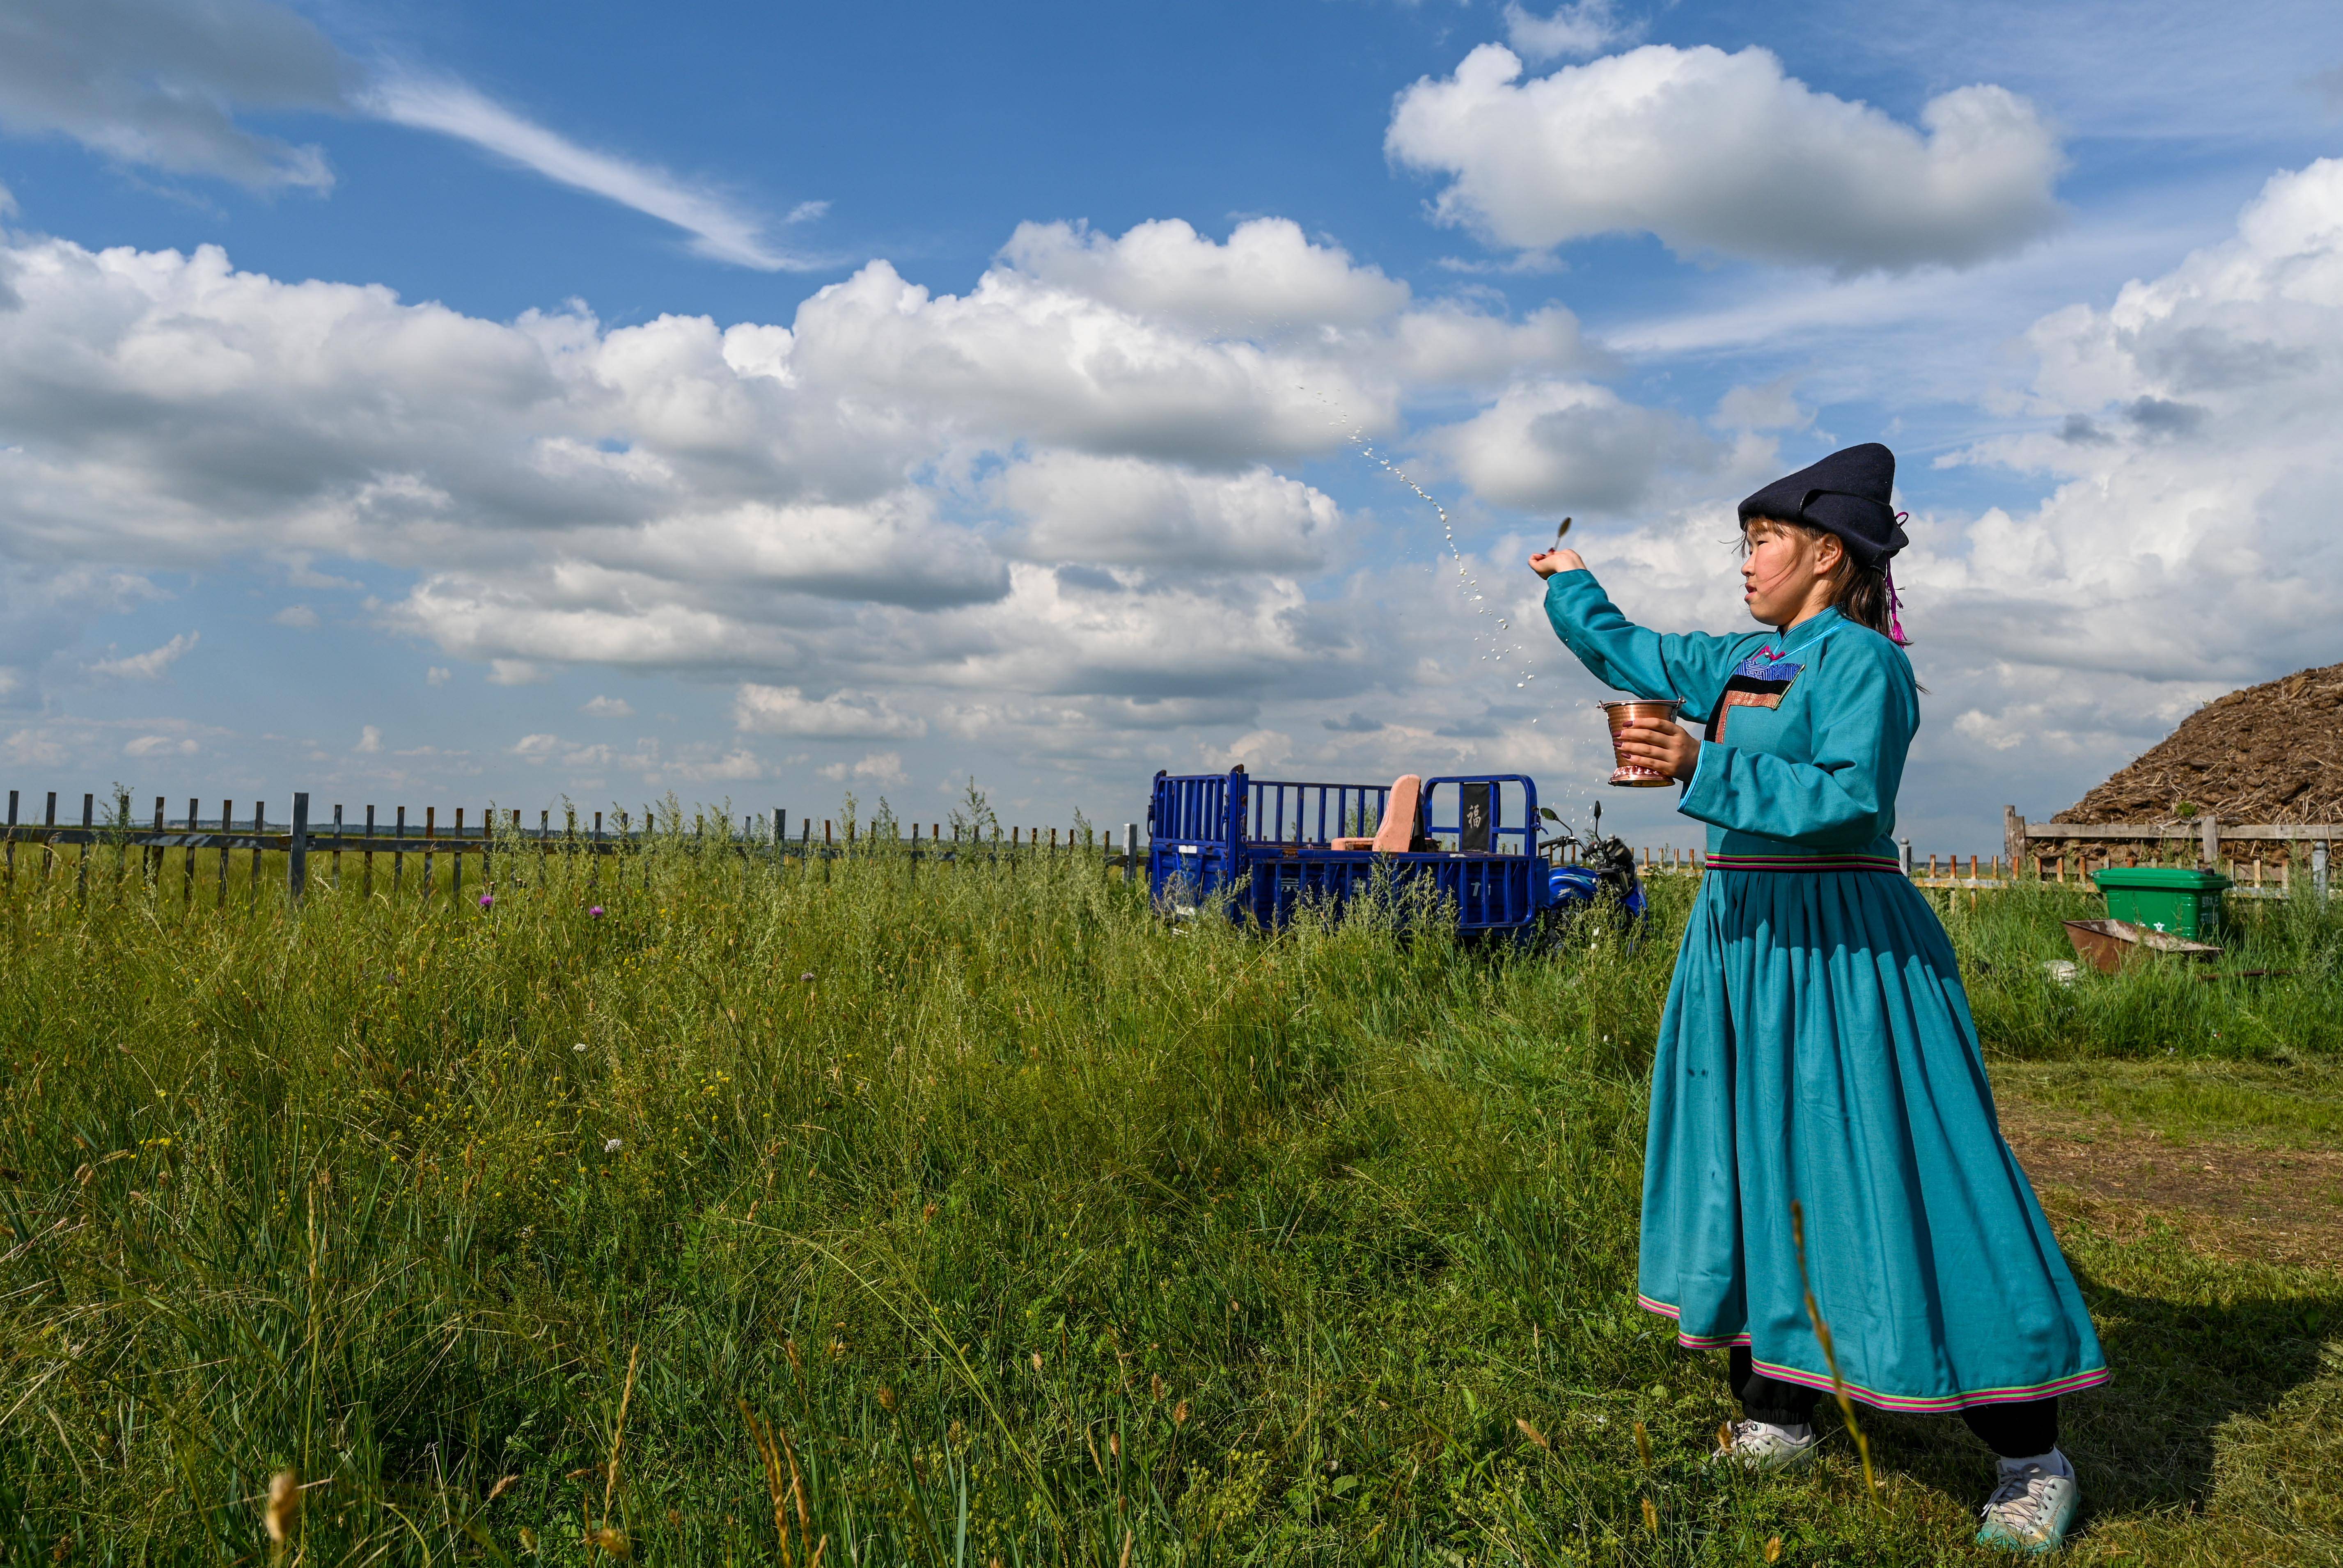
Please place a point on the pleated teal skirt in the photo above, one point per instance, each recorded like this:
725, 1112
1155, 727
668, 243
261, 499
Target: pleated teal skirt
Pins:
1817, 1046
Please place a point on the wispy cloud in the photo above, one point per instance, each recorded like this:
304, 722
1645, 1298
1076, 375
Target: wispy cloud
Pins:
150, 665
720, 228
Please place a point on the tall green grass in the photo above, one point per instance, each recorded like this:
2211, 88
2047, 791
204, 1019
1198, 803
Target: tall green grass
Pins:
925, 1214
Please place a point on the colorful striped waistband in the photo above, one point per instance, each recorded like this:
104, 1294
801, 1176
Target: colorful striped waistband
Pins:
1804, 863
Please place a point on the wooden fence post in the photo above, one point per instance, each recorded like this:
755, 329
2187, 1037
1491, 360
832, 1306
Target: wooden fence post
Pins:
1129, 850
153, 858
2318, 870
296, 856
2012, 838
2209, 850
81, 865
12, 837
365, 860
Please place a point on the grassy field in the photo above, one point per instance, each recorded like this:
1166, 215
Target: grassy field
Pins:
893, 1215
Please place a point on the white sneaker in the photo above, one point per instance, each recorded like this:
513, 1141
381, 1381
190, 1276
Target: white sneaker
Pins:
2033, 1507
1762, 1446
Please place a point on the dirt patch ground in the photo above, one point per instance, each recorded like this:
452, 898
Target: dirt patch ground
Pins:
2229, 1200
2270, 753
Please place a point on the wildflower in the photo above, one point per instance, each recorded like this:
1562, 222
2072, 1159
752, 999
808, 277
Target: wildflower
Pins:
487, 901
612, 1145
806, 979
596, 911
579, 1047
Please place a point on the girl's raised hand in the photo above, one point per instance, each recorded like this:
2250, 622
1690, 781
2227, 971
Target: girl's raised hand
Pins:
1545, 563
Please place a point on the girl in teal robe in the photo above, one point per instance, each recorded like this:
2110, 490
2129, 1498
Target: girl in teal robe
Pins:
1817, 1046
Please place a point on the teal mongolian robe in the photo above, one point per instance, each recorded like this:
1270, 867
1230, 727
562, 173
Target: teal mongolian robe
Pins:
1817, 1046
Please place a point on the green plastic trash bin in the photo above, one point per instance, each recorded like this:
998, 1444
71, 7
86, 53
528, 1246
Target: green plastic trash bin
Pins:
2164, 898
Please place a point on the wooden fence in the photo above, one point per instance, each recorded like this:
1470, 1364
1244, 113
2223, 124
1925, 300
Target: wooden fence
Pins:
490, 834
2259, 858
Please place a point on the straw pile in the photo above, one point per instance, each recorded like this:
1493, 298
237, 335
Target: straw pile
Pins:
2270, 753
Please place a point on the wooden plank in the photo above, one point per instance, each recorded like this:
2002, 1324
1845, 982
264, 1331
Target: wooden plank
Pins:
398, 856
457, 857
2277, 832
297, 854
153, 858
81, 864
337, 846
430, 836
194, 815
366, 865
252, 883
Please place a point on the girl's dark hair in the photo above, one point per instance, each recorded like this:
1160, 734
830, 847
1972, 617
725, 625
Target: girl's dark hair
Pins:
1858, 592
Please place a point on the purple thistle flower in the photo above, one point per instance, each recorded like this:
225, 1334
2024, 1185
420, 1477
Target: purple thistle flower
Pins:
596, 911
488, 901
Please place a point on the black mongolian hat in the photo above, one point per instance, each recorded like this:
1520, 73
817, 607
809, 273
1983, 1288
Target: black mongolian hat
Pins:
1844, 494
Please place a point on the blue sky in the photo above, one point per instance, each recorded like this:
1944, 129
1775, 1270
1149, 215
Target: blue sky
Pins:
482, 513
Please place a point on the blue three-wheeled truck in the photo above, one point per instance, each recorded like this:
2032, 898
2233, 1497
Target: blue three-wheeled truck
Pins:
1472, 841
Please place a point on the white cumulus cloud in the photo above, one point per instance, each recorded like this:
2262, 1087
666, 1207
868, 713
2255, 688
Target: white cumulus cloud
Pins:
1128, 511
1576, 27
1725, 154
844, 497
880, 768
1572, 446
159, 82
841, 716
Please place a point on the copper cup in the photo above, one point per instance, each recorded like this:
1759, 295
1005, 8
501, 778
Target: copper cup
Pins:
1620, 715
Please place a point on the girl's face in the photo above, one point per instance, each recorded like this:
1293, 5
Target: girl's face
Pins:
1785, 573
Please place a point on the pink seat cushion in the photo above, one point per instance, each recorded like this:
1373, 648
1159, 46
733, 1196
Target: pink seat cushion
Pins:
1396, 833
